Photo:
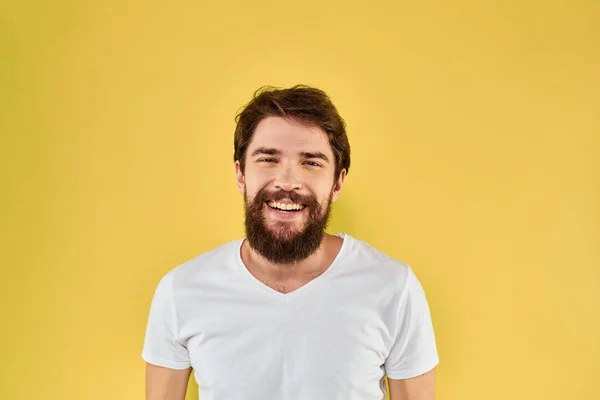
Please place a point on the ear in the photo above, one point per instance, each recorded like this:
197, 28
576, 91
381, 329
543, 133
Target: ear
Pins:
239, 177
337, 187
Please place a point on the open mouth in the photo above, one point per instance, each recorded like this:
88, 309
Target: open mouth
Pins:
286, 207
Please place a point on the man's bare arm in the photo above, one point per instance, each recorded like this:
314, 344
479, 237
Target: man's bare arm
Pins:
165, 383
420, 387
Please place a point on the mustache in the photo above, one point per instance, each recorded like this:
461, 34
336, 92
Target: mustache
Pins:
281, 194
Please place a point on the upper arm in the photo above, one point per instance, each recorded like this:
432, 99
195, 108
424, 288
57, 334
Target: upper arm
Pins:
168, 364
420, 387
166, 383
413, 351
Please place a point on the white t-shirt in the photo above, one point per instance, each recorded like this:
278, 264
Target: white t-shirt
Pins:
334, 338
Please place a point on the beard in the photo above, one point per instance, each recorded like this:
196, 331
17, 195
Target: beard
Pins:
282, 242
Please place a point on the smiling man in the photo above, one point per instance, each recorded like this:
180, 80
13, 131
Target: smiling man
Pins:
290, 311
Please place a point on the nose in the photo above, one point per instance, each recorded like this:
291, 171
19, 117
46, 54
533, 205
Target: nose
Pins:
287, 179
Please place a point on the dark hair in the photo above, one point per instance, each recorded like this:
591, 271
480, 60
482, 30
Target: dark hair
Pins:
301, 103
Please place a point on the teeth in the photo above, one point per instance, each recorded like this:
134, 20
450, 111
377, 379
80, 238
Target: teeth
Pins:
283, 206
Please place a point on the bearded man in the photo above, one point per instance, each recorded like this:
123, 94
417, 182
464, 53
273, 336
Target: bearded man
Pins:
290, 312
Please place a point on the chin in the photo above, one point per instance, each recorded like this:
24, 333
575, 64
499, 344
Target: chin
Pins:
285, 231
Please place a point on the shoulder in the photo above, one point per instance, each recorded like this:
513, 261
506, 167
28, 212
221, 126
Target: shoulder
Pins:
204, 265
368, 258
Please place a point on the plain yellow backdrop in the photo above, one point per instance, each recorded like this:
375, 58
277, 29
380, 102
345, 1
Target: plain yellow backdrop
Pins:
475, 136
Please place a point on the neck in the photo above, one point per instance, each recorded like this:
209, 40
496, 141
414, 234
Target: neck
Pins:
313, 265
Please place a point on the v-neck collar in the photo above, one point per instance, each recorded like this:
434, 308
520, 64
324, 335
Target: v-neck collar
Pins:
287, 296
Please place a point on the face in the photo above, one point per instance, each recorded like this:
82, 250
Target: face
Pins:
288, 187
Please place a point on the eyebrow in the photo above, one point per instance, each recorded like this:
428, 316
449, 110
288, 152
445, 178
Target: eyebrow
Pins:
265, 150
276, 152
318, 154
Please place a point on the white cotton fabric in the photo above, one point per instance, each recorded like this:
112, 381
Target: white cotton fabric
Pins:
334, 338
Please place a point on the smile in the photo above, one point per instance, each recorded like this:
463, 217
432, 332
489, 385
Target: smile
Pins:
287, 207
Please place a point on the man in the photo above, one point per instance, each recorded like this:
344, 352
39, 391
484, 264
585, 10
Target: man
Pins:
290, 312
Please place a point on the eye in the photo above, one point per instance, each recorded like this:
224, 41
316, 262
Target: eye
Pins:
313, 164
268, 160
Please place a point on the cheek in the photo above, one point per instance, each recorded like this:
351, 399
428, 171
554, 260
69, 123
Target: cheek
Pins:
253, 186
322, 189
258, 177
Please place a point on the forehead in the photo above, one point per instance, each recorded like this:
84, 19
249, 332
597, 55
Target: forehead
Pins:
289, 136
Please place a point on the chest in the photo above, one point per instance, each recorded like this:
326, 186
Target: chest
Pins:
321, 343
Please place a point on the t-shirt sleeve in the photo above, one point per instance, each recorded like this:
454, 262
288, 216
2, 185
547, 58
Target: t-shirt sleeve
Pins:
414, 350
161, 344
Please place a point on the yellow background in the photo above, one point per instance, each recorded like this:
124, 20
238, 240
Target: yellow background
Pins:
475, 136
